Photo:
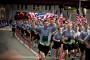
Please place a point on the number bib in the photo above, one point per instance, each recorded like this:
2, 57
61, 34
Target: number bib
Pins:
82, 42
45, 39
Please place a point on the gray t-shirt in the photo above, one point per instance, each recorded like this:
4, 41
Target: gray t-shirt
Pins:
45, 35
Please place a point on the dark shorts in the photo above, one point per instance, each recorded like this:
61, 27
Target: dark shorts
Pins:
13, 29
18, 27
87, 54
44, 49
32, 34
51, 38
76, 44
22, 31
68, 47
56, 45
27, 33
36, 36
82, 47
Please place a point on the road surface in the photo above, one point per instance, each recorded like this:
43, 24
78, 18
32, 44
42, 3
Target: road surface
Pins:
9, 45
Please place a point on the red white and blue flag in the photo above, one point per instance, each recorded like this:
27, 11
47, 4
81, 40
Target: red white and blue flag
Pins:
81, 19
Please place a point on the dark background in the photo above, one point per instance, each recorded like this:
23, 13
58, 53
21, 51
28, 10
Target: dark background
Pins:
73, 3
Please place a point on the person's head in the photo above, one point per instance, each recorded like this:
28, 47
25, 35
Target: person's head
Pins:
59, 29
65, 25
69, 27
70, 24
45, 23
52, 21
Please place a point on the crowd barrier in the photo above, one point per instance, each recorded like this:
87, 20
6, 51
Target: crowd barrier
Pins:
4, 23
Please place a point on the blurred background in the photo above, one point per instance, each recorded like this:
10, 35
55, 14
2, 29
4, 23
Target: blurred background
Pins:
68, 7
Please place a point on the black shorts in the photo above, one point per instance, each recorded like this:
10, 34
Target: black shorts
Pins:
82, 47
32, 34
76, 44
56, 45
22, 31
19, 28
87, 54
51, 38
27, 33
68, 47
36, 37
13, 29
44, 49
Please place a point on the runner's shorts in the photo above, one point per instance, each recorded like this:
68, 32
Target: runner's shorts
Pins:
56, 45
68, 47
43, 48
82, 46
13, 29
32, 33
22, 31
76, 44
87, 54
51, 38
27, 33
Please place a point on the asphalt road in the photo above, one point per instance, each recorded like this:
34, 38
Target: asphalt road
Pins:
10, 47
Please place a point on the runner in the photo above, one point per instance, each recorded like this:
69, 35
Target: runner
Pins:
68, 40
52, 27
19, 26
77, 39
82, 43
35, 35
27, 27
23, 28
13, 27
44, 43
57, 39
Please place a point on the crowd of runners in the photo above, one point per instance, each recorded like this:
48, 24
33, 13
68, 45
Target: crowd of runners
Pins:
50, 34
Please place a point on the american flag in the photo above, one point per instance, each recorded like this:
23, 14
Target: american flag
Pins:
81, 19
48, 15
84, 19
78, 19
78, 16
